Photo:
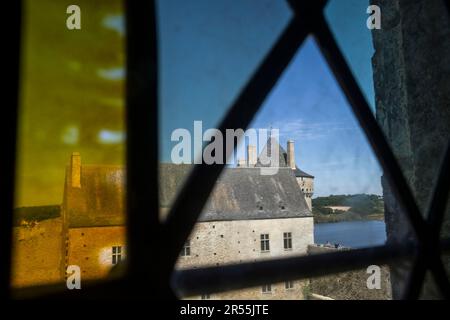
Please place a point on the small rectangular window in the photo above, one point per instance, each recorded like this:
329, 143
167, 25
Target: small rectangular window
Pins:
267, 288
186, 251
265, 246
287, 240
116, 254
289, 285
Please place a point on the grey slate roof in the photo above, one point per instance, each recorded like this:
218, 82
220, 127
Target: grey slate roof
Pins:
301, 173
241, 194
272, 145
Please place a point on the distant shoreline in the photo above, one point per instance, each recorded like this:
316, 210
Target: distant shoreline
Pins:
347, 217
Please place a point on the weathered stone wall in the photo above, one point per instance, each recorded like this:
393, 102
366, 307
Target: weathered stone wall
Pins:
411, 67
212, 243
37, 253
223, 242
91, 249
220, 242
279, 292
351, 285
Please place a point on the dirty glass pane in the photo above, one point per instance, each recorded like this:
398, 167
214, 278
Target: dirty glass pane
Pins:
70, 178
208, 50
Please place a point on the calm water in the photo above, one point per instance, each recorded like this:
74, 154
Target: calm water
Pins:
355, 234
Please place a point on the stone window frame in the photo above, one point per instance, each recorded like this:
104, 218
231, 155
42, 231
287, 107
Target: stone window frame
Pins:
289, 285
264, 242
287, 239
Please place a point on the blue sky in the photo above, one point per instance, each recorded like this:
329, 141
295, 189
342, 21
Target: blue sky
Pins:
209, 49
308, 107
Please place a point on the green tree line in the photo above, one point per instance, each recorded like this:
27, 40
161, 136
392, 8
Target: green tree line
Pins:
363, 204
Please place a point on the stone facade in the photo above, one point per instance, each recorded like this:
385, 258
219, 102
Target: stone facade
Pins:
211, 243
43, 252
218, 243
92, 249
350, 285
411, 68
37, 253
221, 242
278, 291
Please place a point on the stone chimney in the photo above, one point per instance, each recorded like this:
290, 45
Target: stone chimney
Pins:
75, 170
290, 154
251, 156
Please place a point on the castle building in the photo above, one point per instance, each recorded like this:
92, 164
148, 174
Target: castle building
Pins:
248, 217
286, 159
93, 214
